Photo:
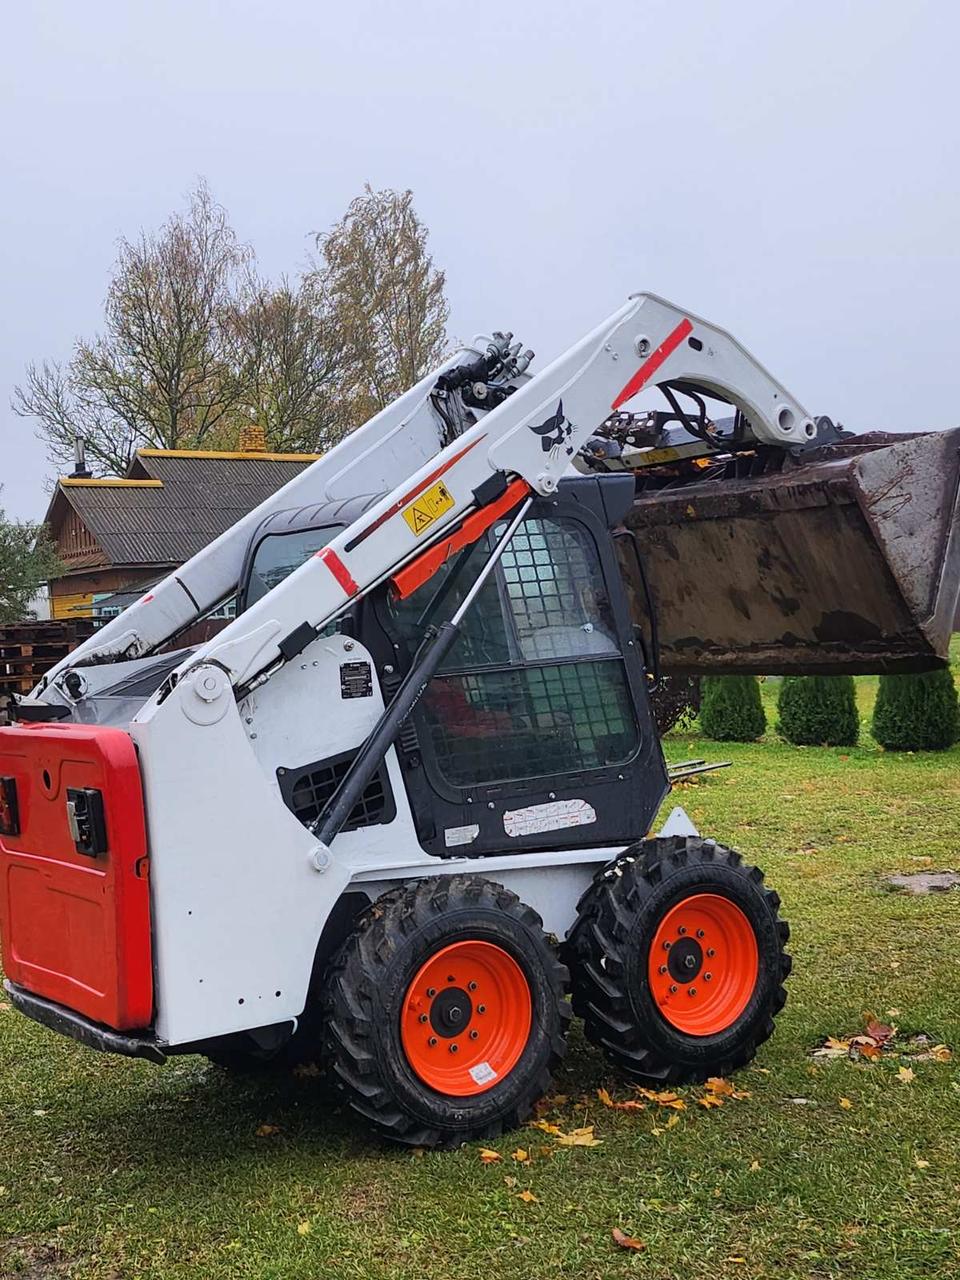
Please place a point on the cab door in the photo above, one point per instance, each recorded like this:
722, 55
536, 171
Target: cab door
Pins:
536, 733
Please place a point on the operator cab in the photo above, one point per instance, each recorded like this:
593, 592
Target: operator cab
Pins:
536, 732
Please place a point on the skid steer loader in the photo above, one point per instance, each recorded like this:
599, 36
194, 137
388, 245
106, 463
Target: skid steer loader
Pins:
400, 806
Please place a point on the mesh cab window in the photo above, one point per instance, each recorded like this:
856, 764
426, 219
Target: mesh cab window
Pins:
536, 684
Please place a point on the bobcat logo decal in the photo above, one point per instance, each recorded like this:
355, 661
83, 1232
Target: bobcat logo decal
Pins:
555, 433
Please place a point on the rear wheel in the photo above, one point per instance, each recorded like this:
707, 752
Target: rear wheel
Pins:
445, 1013
678, 960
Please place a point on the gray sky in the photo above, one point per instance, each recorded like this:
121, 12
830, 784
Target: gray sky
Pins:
789, 170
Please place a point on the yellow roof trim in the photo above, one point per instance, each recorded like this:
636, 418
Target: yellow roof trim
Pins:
76, 482
219, 453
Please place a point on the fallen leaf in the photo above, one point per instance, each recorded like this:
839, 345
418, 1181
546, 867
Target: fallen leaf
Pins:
906, 1075
832, 1048
869, 1051
630, 1105
558, 1100
663, 1098
710, 1100
740, 1262
718, 1085
510, 1182
268, 1130
489, 1157
674, 1119
922, 1164
880, 1031
547, 1127
303, 1228
940, 1053
521, 1156
578, 1138
627, 1242
754, 1165
846, 1104
527, 1197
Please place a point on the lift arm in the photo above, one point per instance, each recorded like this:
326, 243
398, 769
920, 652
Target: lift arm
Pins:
456, 461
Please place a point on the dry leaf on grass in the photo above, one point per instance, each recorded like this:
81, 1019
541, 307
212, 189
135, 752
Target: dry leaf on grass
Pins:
527, 1197
940, 1053
303, 1228
921, 1164
630, 1105
267, 1130
547, 1127
627, 1242
710, 1100
906, 1075
521, 1156
846, 1104
578, 1138
489, 1157
510, 1182
663, 1098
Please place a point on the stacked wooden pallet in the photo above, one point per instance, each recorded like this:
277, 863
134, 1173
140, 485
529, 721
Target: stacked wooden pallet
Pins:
29, 649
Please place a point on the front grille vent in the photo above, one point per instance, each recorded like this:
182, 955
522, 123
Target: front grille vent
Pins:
309, 788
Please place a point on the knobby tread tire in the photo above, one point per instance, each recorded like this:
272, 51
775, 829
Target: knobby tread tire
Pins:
368, 980
608, 947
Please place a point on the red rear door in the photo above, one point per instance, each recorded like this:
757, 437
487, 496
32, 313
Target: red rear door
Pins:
74, 893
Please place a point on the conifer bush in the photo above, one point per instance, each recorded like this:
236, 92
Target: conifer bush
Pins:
730, 708
819, 711
917, 712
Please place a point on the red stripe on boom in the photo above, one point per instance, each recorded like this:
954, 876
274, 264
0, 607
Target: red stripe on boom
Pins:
412, 493
653, 363
339, 570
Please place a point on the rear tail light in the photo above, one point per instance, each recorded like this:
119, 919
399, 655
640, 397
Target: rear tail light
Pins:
9, 808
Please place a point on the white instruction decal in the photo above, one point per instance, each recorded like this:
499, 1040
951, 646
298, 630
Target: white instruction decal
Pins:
460, 835
548, 817
483, 1073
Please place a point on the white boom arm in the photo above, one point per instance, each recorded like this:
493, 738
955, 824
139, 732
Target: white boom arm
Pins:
532, 435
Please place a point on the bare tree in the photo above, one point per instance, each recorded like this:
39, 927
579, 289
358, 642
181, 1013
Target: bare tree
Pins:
386, 298
163, 372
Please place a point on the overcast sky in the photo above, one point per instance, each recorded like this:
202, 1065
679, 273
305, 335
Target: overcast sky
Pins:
788, 170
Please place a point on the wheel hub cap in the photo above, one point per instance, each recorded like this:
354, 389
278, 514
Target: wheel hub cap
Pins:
703, 964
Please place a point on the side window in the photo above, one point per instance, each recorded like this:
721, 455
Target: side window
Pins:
536, 684
278, 554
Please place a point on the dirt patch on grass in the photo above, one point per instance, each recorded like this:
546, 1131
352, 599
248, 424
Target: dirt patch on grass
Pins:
32, 1259
921, 882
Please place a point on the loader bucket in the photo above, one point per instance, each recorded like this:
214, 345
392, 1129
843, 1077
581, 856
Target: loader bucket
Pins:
846, 559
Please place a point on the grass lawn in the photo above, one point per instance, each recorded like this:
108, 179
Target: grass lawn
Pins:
112, 1168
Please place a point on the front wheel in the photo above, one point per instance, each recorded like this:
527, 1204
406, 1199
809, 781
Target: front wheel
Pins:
445, 1013
678, 960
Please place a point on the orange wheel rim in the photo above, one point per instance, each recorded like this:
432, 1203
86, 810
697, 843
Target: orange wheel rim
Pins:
703, 964
466, 1018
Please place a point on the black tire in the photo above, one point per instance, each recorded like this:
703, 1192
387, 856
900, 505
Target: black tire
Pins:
609, 947
366, 992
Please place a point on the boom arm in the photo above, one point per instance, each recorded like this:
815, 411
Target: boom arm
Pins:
531, 436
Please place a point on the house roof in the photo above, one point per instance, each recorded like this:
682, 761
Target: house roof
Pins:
170, 504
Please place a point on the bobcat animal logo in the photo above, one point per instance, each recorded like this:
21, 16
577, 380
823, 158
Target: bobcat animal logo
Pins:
554, 433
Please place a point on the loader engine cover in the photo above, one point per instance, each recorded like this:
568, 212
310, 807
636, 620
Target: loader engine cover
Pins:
846, 559
74, 896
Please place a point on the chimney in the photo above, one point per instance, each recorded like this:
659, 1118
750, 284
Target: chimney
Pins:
80, 470
253, 440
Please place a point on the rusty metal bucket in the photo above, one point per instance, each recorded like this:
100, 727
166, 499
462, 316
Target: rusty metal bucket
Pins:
845, 560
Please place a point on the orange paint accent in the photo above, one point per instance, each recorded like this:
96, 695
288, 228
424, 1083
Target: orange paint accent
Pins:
419, 571
734, 967
502, 1028
653, 363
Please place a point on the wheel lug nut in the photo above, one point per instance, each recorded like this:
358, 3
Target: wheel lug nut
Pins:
423, 1017
673, 989
471, 986
710, 951
454, 1048
481, 1008
431, 992
692, 991
707, 977
667, 946
432, 1041
700, 933
682, 930
663, 968
474, 1034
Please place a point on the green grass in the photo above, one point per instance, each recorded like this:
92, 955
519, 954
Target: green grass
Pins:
110, 1168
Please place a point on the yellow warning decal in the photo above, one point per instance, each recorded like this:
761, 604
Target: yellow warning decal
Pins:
431, 504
